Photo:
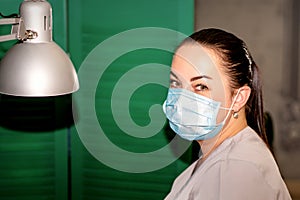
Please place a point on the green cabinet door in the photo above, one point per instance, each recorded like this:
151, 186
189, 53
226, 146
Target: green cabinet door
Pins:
121, 145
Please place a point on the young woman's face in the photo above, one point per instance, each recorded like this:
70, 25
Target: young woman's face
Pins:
199, 70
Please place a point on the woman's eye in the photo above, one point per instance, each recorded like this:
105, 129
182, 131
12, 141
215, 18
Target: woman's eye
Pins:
201, 87
174, 84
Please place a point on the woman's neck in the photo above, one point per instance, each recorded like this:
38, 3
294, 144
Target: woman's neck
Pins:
230, 129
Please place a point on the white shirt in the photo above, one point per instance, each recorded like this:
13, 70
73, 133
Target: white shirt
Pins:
241, 168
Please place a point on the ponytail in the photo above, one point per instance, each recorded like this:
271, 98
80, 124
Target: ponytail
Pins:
254, 107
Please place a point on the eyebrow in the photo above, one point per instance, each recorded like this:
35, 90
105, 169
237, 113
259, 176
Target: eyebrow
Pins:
192, 79
172, 73
200, 77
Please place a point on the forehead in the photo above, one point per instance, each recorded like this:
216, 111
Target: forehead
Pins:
193, 60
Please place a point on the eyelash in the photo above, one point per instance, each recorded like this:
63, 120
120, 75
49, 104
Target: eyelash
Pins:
202, 87
174, 84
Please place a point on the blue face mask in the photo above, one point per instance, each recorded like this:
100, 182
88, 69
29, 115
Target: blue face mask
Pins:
192, 116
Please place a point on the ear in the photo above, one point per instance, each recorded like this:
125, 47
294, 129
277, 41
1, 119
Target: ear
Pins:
243, 94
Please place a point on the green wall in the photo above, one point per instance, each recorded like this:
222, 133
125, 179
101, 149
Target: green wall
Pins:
42, 156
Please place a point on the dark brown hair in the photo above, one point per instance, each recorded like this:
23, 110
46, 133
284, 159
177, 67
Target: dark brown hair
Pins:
240, 68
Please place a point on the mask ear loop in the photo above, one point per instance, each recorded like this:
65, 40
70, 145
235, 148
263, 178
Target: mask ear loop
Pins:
231, 106
214, 141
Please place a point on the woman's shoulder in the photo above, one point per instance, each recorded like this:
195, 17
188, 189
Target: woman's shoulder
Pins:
245, 147
249, 147
247, 166
249, 155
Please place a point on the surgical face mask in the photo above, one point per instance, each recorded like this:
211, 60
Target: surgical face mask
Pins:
192, 116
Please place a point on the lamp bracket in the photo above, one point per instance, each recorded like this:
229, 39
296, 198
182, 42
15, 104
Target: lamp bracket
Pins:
17, 31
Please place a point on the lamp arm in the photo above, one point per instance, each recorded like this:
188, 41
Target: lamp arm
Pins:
17, 31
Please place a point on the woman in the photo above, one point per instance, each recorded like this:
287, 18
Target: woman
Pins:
215, 98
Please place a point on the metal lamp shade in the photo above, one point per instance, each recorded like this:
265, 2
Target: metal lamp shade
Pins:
37, 70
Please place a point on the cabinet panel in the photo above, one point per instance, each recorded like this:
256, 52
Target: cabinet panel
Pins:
92, 22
